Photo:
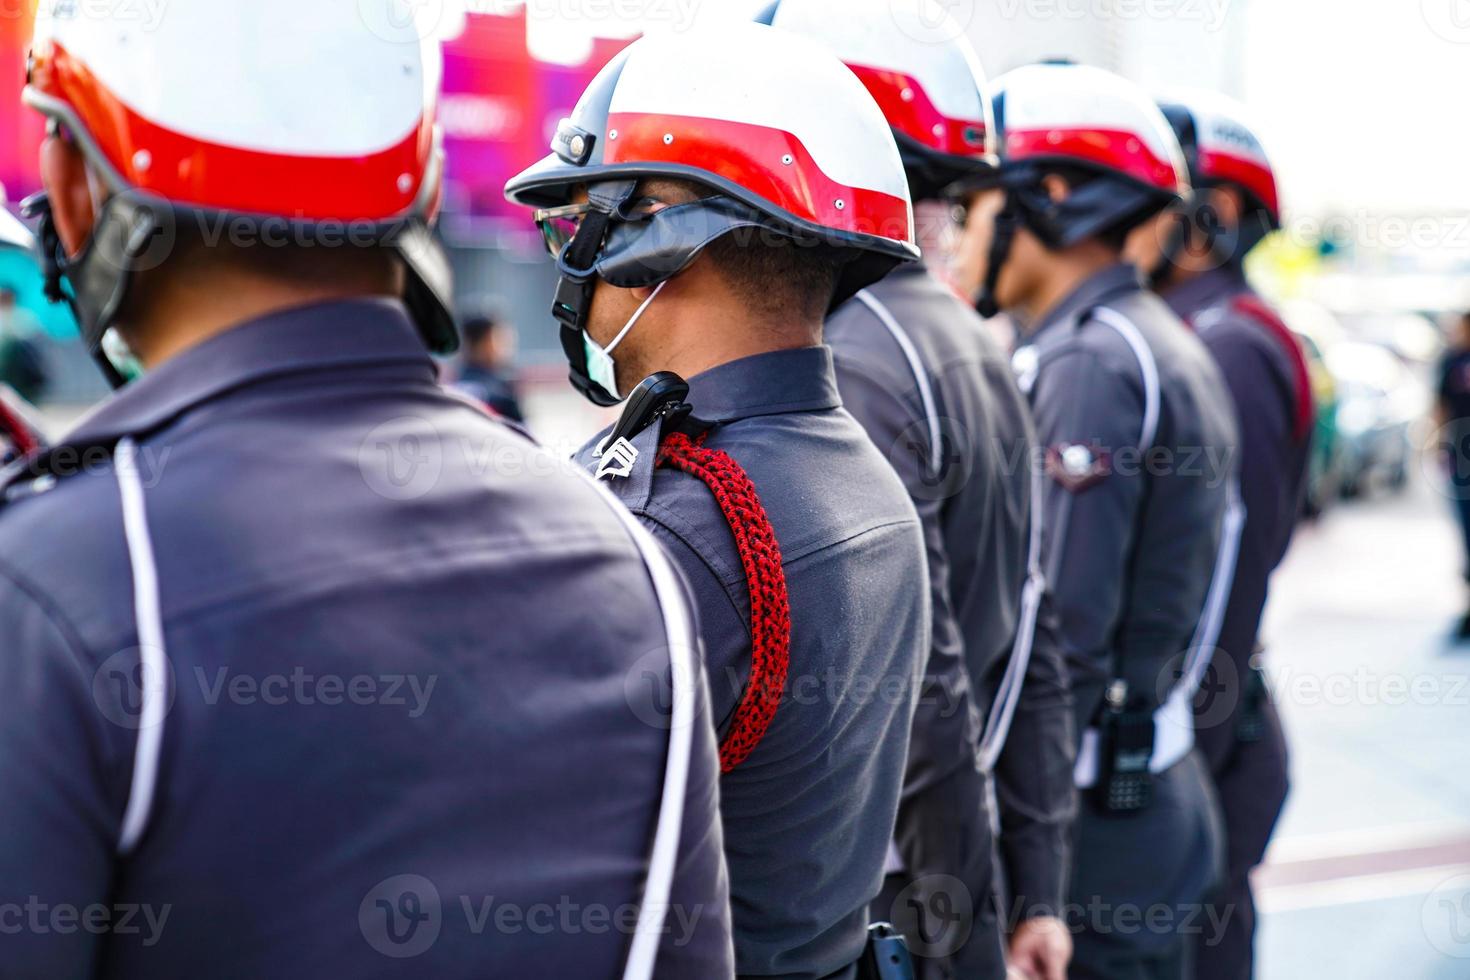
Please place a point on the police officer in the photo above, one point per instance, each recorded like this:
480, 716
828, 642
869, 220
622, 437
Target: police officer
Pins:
1196, 257
1139, 441
935, 393
715, 213
252, 722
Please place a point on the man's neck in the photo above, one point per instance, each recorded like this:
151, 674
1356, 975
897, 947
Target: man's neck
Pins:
182, 316
694, 351
1062, 281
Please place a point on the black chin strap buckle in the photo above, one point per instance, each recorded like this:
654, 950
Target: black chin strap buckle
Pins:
53, 253
1007, 222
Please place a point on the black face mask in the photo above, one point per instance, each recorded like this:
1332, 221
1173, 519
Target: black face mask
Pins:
631, 249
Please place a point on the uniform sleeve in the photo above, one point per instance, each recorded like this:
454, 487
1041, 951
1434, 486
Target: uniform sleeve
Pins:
718, 595
1264, 410
697, 930
1096, 409
946, 696
1037, 799
58, 751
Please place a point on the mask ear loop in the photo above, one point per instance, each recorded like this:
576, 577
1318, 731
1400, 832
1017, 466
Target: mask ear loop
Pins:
637, 315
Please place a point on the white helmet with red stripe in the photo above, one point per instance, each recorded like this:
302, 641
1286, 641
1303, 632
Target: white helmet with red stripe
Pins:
1099, 130
1221, 148
782, 135
274, 111
921, 70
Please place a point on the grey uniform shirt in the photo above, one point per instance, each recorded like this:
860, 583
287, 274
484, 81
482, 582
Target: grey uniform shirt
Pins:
1132, 537
1261, 376
399, 740
973, 491
808, 816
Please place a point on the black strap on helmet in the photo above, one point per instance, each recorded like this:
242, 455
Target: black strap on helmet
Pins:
1007, 223
577, 266
54, 266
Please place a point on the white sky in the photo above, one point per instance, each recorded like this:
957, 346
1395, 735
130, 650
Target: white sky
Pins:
1364, 104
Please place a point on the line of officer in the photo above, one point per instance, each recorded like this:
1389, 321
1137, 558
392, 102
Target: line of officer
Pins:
1140, 439
935, 393
1196, 257
284, 667
704, 216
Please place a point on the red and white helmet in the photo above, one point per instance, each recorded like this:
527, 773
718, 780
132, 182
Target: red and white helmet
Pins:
762, 116
1078, 115
920, 69
307, 115
784, 137
1222, 148
1059, 117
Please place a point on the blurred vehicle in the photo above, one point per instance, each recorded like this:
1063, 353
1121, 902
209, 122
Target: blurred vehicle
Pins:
1414, 337
1380, 401
1324, 467
1317, 329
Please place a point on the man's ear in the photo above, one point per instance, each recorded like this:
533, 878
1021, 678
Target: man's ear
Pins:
1056, 187
1228, 205
64, 175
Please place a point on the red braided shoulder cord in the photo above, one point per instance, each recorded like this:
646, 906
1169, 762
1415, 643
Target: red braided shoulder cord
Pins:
770, 608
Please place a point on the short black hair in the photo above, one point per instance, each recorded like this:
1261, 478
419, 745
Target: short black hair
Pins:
777, 275
476, 328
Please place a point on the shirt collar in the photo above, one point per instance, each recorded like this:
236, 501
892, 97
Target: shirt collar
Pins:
317, 337
1204, 291
774, 383
1111, 281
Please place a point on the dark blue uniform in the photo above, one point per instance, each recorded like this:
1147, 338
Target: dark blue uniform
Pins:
491, 389
330, 675
936, 395
809, 814
1140, 450
1454, 402
1237, 726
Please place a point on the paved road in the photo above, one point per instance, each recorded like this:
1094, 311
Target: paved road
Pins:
1369, 877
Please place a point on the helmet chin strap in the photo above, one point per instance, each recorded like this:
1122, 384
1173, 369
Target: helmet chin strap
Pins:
1003, 235
54, 265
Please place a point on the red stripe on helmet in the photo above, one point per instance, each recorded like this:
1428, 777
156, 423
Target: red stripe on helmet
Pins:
1115, 149
754, 157
908, 109
1254, 177
190, 171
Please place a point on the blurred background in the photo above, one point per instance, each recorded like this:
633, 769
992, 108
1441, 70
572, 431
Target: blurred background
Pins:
1361, 103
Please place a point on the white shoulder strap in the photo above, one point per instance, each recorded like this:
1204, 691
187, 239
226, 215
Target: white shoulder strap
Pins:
154, 679
684, 669
921, 377
1207, 632
1146, 363
1008, 695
